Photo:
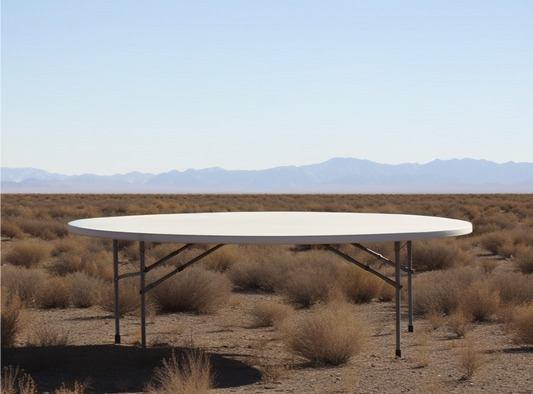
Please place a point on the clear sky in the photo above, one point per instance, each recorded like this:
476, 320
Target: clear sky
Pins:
113, 86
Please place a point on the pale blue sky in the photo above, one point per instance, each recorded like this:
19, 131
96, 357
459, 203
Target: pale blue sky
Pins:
109, 86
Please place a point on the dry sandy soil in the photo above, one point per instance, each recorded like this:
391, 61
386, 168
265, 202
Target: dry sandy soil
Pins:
253, 360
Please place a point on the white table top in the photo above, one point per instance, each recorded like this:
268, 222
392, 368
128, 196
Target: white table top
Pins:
270, 227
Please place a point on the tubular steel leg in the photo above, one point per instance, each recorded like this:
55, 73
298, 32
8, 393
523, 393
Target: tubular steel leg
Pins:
143, 296
410, 284
115, 281
398, 288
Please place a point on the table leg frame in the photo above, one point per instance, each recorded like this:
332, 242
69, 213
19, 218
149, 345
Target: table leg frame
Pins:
143, 269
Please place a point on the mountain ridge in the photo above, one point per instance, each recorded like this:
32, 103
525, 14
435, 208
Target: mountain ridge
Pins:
337, 175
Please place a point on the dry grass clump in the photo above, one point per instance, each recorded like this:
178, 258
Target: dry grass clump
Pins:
129, 299
270, 313
76, 388
12, 383
222, 259
460, 323
188, 374
25, 283
85, 291
524, 259
508, 243
12, 230
55, 293
495, 222
28, 253
480, 301
439, 254
442, 291
10, 320
311, 280
514, 288
328, 334
471, 359
44, 335
255, 275
522, 324
358, 285
46, 229
195, 289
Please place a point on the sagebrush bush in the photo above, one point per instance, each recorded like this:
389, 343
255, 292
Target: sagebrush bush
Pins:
328, 334
358, 285
480, 301
26, 283
438, 254
28, 253
195, 289
55, 293
471, 359
12, 230
189, 373
85, 290
222, 259
44, 335
15, 381
270, 313
10, 324
310, 280
514, 288
522, 324
256, 275
524, 259
43, 228
442, 291
129, 299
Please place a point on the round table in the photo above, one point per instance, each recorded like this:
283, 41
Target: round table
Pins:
273, 228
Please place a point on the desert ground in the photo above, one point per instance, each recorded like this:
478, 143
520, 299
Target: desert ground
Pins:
485, 356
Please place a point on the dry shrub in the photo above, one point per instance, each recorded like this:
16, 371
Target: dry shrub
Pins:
504, 243
85, 290
358, 285
471, 359
44, 335
495, 221
10, 324
12, 230
55, 293
25, 283
96, 264
257, 275
460, 323
43, 228
76, 388
28, 253
438, 254
328, 334
514, 288
65, 245
386, 292
11, 383
524, 259
480, 301
270, 313
195, 289
441, 291
129, 299
222, 259
311, 280
522, 324
65, 264
188, 374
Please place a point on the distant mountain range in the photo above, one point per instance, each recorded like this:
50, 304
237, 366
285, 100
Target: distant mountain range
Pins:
338, 175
